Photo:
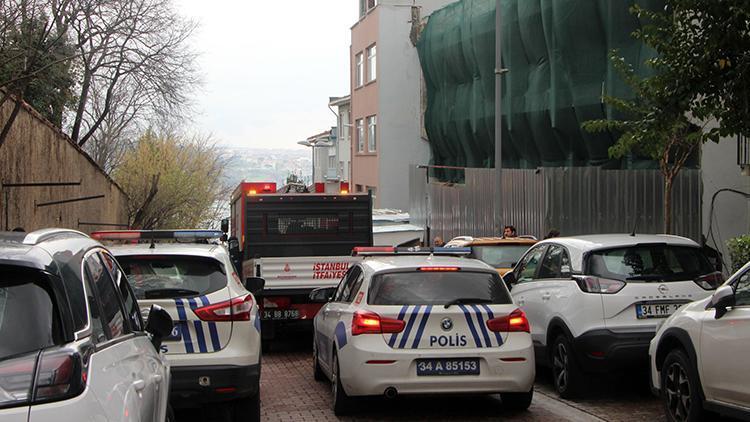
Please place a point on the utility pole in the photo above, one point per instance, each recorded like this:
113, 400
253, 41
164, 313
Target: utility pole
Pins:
499, 71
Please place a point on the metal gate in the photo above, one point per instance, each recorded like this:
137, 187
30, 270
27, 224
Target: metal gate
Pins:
573, 200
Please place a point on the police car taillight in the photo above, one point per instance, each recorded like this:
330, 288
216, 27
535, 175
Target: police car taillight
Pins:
237, 309
514, 322
372, 323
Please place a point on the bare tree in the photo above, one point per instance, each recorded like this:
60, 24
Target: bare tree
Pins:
134, 59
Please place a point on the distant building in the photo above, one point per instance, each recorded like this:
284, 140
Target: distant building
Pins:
386, 82
342, 106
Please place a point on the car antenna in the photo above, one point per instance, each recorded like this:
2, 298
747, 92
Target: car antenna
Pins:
635, 226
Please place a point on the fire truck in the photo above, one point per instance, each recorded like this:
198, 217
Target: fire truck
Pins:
296, 242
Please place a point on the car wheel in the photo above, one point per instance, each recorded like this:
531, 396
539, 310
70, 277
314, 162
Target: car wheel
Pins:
566, 373
517, 401
318, 374
247, 409
342, 403
681, 388
170, 414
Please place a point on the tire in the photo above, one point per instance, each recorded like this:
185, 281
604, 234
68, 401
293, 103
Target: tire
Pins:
681, 388
318, 374
566, 373
246, 409
342, 403
517, 401
170, 417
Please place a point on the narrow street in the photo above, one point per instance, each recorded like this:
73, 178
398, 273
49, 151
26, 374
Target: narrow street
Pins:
289, 393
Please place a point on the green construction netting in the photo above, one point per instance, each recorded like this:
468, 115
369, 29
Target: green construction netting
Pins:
556, 52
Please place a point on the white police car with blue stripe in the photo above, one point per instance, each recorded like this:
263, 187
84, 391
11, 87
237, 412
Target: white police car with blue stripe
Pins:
407, 321
215, 347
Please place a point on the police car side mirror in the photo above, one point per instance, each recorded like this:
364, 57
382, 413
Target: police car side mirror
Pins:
722, 299
322, 295
255, 285
159, 325
225, 225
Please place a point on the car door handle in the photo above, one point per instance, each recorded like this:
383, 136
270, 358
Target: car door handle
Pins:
139, 385
157, 378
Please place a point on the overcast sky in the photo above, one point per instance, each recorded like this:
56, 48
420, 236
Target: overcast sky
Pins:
269, 67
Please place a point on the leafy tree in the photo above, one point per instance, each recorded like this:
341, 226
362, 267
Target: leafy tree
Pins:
698, 78
172, 182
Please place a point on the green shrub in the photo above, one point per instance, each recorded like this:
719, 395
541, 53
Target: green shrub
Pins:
739, 251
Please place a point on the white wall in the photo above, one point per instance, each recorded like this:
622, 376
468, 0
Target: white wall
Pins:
731, 211
345, 148
399, 85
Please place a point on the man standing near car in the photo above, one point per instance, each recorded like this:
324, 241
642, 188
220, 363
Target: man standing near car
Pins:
509, 232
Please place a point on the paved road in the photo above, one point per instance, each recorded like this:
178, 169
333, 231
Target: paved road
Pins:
289, 393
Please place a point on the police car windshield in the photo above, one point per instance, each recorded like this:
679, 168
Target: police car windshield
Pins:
172, 276
436, 288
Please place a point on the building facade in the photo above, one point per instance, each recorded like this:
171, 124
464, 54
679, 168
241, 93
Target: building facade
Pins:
386, 97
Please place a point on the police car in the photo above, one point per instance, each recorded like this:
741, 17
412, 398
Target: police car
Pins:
421, 321
214, 349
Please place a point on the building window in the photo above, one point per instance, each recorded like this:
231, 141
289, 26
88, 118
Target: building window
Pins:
360, 70
372, 63
365, 6
360, 125
372, 133
359, 189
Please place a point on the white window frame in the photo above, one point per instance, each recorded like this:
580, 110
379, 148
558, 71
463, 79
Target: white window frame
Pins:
372, 133
360, 132
359, 65
372, 63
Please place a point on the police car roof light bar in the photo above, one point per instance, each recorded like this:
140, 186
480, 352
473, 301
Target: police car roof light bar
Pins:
390, 250
193, 234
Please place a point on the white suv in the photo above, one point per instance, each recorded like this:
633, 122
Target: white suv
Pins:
594, 302
413, 322
215, 348
73, 345
698, 357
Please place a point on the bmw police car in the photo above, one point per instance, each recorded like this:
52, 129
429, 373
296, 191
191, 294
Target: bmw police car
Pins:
214, 350
405, 321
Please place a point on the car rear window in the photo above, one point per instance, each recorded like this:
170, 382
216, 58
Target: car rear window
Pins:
650, 263
436, 288
159, 277
499, 256
29, 318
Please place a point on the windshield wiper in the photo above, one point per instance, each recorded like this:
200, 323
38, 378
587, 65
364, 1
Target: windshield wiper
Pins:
467, 300
169, 293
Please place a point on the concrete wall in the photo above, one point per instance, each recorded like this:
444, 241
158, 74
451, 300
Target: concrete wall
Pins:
399, 95
35, 151
731, 212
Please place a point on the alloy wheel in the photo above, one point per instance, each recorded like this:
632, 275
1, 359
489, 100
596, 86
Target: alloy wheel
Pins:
560, 366
677, 388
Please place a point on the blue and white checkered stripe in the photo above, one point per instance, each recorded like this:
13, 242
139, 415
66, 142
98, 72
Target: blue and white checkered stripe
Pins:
204, 335
417, 316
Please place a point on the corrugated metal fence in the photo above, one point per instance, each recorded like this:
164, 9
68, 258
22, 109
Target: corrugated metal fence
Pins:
574, 200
